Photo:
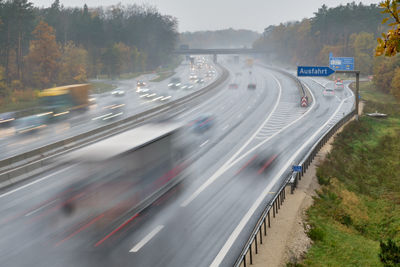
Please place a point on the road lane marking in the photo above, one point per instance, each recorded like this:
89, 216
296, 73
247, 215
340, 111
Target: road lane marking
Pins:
146, 239
40, 208
225, 127
232, 238
204, 143
276, 133
35, 182
226, 166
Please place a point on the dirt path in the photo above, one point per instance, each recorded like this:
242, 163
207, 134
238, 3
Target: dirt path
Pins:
286, 240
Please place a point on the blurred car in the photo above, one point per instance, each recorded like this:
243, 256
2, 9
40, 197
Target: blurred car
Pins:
339, 84
233, 86
202, 123
140, 84
193, 77
7, 119
328, 92
187, 86
32, 123
251, 86
175, 83
142, 90
200, 80
118, 92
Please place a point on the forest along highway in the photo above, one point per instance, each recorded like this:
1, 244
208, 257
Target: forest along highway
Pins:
241, 160
131, 103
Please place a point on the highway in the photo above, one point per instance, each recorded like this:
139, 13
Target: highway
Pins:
240, 162
107, 108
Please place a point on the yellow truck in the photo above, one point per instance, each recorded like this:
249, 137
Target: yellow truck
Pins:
64, 99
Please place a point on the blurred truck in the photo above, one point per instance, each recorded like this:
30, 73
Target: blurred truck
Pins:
123, 174
62, 100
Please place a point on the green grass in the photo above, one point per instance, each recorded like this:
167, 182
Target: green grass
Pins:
102, 87
359, 201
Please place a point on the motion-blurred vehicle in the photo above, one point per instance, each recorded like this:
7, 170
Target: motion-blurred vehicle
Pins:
251, 86
187, 86
60, 101
202, 123
7, 119
118, 92
193, 77
142, 90
140, 84
200, 80
328, 92
233, 86
123, 174
339, 84
32, 123
175, 83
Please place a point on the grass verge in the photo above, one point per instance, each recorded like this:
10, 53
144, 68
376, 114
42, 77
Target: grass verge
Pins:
358, 204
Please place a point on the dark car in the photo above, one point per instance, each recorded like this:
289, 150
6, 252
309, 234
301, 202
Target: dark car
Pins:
251, 86
202, 123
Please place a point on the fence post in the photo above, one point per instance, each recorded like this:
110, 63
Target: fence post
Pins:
251, 255
269, 220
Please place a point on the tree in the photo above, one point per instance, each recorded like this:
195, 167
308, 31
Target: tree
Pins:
73, 65
389, 44
43, 58
395, 85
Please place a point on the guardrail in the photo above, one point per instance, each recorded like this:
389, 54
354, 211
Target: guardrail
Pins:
26, 162
303, 91
260, 228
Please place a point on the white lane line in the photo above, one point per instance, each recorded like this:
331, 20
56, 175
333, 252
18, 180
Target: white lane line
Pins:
203, 144
35, 182
225, 127
40, 208
146, 239
226, 166
278, 132
222, 253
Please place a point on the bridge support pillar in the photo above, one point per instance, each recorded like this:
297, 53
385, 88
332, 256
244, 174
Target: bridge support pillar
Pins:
215, 58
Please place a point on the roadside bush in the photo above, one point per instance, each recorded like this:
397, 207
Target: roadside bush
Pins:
390, 253
316, 234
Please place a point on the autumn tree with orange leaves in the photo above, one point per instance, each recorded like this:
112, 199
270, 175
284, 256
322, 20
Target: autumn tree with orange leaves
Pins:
43, 58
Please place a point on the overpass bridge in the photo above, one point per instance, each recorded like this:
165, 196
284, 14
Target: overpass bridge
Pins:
219, 51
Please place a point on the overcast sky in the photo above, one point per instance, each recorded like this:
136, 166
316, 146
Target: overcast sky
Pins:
194, 15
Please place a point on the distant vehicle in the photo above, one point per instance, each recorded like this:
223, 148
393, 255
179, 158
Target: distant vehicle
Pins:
200, 80
133, 168
193, 77
7, 119
339, 84
210, 73
202, 123
140, 84
142, 90
62, 100
175, 83
328, 92
118, 92
187, 86
233, 86
251, 86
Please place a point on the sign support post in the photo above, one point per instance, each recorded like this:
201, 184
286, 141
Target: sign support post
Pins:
357, 93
